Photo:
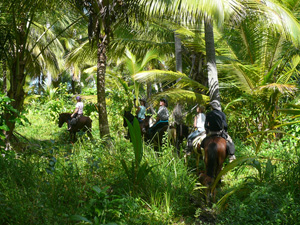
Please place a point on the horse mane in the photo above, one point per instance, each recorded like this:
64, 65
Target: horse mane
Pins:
212, 154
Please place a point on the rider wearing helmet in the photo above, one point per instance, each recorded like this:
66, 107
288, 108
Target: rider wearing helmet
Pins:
78, 112
215, 124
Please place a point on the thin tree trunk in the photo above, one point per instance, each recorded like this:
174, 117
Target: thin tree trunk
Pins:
177, 113
73, 84
178, 53
16, 92
40, 78
4, 89
101, 69
213, 82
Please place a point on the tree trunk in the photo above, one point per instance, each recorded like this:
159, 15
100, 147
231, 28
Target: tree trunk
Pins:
101, 69
177, 112
213, 83
4, 89
16, 92
178, 53
17, 81
73, 84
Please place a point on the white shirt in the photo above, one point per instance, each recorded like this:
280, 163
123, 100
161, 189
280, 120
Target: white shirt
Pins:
200, 122
79, 105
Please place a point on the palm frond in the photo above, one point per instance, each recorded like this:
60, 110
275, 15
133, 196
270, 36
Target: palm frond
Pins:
169, 77
290, 70
176, 95
282, 88
83, 53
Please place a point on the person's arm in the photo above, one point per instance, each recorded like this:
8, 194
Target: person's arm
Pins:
138, 110
75, 111
158, 114
206, 124
195, 122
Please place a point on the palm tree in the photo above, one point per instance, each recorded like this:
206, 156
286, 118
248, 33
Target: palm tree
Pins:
27, 48
264, 67
219, 11
101, 16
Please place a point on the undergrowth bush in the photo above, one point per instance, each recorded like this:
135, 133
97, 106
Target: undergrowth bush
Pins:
51, 181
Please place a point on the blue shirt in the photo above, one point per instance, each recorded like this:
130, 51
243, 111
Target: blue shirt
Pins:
141, 113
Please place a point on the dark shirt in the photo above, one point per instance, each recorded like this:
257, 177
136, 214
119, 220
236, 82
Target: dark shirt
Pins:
215, 121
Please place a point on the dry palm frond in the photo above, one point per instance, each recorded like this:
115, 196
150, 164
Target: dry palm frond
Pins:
282, 88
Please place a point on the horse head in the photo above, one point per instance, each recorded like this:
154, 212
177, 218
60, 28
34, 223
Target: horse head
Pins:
60, 120
127, 115
63, 118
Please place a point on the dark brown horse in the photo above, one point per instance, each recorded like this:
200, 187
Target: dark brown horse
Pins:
83, 124
182, 132
144, 126
215, 155
157, 137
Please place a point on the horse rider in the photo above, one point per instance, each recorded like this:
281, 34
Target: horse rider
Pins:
215, 124
78, 112
141, 110
199, 121
162, 118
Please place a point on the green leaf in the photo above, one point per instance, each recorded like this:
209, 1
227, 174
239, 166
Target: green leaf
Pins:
80, 218
229, 167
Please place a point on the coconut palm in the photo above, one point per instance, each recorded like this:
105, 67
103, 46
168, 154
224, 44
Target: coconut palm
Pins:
264, 66
102, 15
219, 11
28, 46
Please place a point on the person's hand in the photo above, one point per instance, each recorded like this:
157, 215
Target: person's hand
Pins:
72, 115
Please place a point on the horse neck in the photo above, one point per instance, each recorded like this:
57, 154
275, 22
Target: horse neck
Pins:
66, 116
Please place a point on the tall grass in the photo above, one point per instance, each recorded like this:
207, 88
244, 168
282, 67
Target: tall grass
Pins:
50, 181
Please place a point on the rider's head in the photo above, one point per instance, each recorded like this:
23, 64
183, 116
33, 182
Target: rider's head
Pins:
143, 101
200, 109
215, 104
164, 102
78, 98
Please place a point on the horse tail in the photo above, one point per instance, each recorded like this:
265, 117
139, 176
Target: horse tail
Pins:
212, 159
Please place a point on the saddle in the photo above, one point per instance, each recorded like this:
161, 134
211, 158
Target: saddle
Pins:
230, 148
221, 134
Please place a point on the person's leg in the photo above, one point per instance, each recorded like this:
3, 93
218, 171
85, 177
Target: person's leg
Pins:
69, 124
230, 148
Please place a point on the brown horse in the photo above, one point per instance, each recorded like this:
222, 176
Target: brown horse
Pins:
182, 131
157, 138
83, 124
215, 155
144, 126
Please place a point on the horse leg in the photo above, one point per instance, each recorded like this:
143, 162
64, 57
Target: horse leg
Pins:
73, 137
89, 134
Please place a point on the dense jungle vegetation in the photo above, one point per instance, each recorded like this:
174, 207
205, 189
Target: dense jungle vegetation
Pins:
244, 53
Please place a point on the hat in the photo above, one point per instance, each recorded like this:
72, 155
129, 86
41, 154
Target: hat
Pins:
215, 104
78, 98
165, 101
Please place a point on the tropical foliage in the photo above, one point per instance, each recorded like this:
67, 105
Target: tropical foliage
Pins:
243, 53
